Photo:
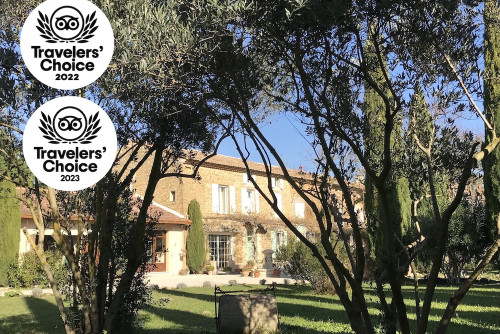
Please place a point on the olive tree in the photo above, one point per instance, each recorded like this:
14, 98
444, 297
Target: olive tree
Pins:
309, 59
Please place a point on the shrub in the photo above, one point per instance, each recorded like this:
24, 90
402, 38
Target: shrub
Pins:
196, 253
29, 272
262, 281
209, 268
13, 293
207, 284
300, 263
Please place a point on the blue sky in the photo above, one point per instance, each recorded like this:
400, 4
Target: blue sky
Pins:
286, 134
283, 132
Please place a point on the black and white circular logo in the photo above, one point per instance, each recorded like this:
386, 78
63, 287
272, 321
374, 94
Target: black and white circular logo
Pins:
67, 44
69, 143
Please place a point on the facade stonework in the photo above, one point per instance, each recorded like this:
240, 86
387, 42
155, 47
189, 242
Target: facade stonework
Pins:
239, 224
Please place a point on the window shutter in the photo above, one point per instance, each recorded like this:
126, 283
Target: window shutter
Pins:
215, 198
279, 201
232, 199
299, 210
282, 184
245, 178
256, 193
285, 238
302, 229
244, 201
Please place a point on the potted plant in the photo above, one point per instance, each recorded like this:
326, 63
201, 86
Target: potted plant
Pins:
256, 273
209, 269
245, 271
251, 264
227, 269
276, 270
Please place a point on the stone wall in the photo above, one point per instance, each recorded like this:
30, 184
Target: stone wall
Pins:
235, 222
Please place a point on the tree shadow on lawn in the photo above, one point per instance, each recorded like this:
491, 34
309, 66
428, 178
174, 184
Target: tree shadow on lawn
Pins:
473, 297
187, 294
195, 323
46, 314
43, 317
188, 321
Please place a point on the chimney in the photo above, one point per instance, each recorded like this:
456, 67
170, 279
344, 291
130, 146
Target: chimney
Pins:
300, 169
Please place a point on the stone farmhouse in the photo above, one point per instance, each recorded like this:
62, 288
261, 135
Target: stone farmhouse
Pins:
239, 224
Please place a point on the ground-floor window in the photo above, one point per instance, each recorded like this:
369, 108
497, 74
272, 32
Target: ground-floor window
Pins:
278, 239
250, 245
220, 249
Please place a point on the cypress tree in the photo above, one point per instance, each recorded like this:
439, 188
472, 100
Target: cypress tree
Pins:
10, 224
491, 163
398, 187
196, 253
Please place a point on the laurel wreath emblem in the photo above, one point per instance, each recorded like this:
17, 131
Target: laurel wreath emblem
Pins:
50, 37
89, 133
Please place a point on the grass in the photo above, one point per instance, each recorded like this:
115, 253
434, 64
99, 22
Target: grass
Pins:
191, 310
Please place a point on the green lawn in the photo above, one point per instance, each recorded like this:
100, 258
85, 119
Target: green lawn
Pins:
191, 310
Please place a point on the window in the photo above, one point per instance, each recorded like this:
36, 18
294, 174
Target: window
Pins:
250, 245
220, 249
249, 201
299, 210
248, 180
223, 199
172, 196
278, 239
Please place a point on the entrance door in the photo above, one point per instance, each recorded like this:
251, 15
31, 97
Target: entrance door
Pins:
220, 249
158, 250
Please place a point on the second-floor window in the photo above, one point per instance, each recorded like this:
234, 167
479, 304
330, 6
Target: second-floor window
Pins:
249, 201
299, 210
223, 200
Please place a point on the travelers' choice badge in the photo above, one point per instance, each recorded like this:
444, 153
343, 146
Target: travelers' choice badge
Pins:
67, 44
69, 143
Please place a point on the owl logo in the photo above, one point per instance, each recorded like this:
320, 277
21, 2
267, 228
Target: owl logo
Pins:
69, 126
67, 24
69, 123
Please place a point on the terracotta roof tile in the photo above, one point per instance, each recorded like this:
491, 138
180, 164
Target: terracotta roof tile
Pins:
163, 214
